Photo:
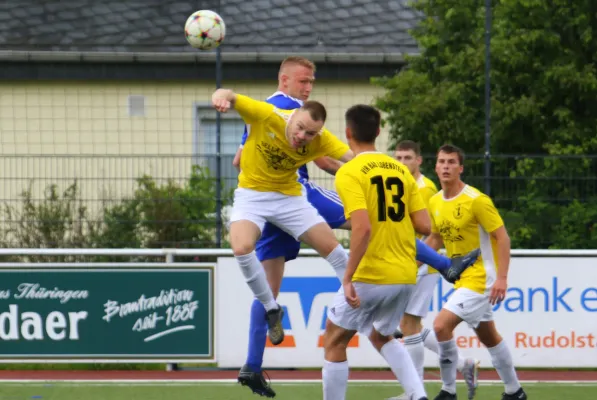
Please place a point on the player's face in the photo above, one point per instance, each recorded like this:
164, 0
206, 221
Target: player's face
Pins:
302, 129
448, 167
299, 82
410, 159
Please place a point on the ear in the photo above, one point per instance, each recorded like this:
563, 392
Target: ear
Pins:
377, 134
348, 133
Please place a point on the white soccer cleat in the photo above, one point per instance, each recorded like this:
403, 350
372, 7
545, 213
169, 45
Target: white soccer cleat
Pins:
470, 372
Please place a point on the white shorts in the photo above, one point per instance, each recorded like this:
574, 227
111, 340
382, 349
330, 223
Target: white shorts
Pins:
470, 306
420, 299
382, 307
293, 214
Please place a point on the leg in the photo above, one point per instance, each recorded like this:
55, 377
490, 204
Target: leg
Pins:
450, 268
335, 364
322, 239
501, 358
248, 217
396, 355
274, 248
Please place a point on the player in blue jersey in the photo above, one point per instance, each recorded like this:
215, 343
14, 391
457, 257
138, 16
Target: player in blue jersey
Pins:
275, 247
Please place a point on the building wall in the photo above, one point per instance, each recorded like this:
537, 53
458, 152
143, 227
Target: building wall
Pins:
56, 132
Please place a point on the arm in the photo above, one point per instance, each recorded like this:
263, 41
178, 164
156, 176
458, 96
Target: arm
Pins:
421, 221
223, 99
359, 240
434, 241
502, 240
236, 160
328, 164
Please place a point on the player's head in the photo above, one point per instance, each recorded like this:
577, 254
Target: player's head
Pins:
306, 123
449, 164
296, 77
362, 124
409, 154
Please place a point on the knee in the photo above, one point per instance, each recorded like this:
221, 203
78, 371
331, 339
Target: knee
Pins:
442, 330
378, 340
410, 325
242, 248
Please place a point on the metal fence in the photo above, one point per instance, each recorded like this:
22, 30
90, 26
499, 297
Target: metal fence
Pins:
161, 201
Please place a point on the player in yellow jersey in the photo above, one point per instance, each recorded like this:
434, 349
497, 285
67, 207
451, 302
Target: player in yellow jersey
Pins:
416, 339
463, 218
382, 201
268, 190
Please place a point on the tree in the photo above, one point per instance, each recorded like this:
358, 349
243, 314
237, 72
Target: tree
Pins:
544, 93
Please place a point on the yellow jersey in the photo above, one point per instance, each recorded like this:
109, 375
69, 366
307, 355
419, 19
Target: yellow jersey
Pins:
465, 223
269, 163
427, 189
384, 187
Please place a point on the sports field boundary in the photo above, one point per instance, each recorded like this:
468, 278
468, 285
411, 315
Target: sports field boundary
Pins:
280, 376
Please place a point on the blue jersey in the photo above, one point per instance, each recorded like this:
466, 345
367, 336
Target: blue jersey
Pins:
283, 102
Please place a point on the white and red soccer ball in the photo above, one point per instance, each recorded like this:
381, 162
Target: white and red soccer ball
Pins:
205, 30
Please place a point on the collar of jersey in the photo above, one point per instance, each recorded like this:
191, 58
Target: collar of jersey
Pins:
455, 197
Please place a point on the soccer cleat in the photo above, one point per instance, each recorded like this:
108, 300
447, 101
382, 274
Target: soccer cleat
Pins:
255, 381
274, 325
398, 334
518, 395
470, 372
443, 395
459, 265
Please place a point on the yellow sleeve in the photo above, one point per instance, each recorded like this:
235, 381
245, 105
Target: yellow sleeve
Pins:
350, 191
486, 213
251, 110
331, 146
415, 202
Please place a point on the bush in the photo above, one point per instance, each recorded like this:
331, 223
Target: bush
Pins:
168, 215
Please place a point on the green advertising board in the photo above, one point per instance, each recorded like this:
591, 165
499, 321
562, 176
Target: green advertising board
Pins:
116, 313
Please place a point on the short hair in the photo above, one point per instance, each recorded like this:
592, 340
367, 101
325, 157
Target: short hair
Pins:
364, 122
406, 145
451, 149
316, 110
296, 60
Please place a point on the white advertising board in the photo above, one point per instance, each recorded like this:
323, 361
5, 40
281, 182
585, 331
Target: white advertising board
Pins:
548, 318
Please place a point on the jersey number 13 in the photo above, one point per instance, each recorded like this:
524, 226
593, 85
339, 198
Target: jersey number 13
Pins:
396, 210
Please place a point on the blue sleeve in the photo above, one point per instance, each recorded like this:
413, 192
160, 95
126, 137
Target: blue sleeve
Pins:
283, 102
244, 138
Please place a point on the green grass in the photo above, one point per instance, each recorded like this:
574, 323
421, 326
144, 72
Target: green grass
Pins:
286, 391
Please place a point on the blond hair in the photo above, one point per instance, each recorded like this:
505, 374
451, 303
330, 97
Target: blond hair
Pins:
297, 60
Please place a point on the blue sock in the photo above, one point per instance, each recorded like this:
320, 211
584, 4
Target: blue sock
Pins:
257, 336
427, 255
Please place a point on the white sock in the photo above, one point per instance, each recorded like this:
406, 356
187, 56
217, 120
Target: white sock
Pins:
338, 259
448, 356
256, 279
430, 342
403, 368
502, 362
414, 346
335, 380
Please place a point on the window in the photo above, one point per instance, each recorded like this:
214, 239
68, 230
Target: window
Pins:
231, 131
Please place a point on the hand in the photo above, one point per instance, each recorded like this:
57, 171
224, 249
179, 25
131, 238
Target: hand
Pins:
220, 101
351, 295
498, 291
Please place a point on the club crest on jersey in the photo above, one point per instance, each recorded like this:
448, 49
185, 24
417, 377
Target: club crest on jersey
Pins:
302, 150
458, 211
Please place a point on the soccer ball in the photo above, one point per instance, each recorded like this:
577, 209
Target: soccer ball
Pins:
205, 30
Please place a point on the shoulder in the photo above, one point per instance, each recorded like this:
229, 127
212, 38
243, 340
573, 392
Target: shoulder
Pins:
436, 198
284, 101
428, 183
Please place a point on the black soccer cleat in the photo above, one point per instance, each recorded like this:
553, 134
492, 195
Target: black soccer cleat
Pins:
459, 265
255, 381
398, 334
274, 325
518, 395
443, 395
